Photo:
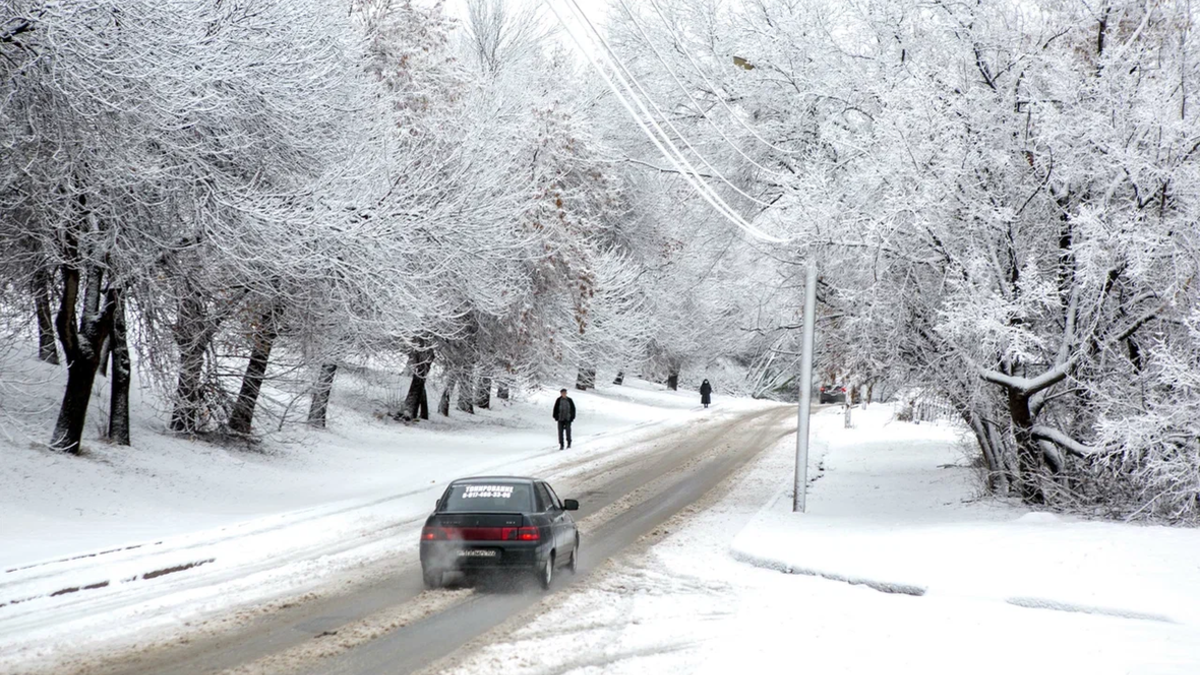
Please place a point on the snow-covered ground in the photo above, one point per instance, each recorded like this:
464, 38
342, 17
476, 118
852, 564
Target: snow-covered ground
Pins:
894, 510
145, 540
56, 505
942, 582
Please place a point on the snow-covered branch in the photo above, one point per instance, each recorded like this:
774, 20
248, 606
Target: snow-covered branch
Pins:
1063, 441
1030, 385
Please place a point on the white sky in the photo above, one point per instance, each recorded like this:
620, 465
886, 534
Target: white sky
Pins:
596, 11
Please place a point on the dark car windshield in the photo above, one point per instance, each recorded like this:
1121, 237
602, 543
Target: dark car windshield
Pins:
496, 497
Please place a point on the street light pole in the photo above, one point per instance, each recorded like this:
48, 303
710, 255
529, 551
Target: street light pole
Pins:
805, 405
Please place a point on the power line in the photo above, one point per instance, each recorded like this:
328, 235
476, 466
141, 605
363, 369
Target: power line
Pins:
630, 77
649, 126
696, 66
678, 134
679, 83
675, 158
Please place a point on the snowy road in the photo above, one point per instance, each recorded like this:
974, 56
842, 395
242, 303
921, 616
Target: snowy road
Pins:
388, 622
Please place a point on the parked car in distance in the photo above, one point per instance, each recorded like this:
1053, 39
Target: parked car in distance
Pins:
831, 393
509, 523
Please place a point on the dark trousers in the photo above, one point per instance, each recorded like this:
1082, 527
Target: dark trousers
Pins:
564, 428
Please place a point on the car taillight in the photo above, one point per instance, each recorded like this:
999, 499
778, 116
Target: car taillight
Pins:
522, 533
433, 533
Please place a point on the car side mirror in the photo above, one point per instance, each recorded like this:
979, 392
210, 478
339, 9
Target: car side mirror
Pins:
570, 505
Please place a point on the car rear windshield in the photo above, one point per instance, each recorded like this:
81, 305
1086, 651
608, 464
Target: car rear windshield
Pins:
488, 498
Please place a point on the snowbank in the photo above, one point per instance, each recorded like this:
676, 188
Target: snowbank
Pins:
894, 509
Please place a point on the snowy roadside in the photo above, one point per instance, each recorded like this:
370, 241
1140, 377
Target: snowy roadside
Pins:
894, 511
167, 536
686, 603
55, 506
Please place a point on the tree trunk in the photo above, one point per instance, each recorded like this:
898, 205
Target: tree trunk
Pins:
242, 415
502, 391
81, 345
189, 395
105, 354
483, 392
1008, 472
193, 334
673, 381
47, 349
465, 393
72, 414
444, 403
318, 410
996, 481
620, 378
1029, 455
416, 401
585, 379
118, 407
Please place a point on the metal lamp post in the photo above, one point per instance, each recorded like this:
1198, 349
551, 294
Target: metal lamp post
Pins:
805, 406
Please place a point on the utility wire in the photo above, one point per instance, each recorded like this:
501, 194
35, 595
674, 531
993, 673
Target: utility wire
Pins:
664, 144
630, 77
667, 120
732, 113
624, 92
695, 104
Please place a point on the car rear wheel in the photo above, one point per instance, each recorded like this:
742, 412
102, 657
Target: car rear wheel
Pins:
545, 574
574, 566
432, 578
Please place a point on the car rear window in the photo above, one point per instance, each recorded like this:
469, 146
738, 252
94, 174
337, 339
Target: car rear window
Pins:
488, 498
543, 498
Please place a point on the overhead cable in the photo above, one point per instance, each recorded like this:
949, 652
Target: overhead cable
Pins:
682, 48
621, 88
682, 87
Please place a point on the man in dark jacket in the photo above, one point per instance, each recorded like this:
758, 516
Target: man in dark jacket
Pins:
564, 414
706, 393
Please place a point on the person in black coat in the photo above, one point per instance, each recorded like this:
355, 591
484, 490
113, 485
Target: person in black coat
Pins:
705, 393
564, 414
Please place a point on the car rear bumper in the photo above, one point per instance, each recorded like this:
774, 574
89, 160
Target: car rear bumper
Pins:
441, 555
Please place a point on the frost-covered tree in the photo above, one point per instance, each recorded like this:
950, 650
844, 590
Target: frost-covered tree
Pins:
170, 154
1000, 198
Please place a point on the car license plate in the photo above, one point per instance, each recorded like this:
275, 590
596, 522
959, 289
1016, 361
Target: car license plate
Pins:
477, 553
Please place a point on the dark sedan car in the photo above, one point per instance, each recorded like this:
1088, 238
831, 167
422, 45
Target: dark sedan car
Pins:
831, 393
499, 522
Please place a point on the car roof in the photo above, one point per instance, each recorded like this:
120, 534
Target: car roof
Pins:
493, 479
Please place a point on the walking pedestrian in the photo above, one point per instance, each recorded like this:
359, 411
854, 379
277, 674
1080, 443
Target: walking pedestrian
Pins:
705, 393
564, 414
